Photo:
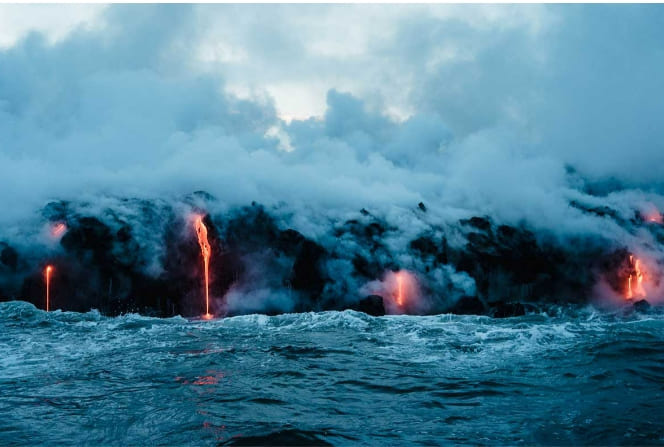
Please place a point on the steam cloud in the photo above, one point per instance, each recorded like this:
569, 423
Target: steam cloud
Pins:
546, 119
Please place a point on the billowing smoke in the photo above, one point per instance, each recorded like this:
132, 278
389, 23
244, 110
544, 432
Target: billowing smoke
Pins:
504, 154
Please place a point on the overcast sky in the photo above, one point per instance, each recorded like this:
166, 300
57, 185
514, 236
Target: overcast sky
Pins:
506, 109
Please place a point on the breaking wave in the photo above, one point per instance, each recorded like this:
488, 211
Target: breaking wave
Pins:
331, 378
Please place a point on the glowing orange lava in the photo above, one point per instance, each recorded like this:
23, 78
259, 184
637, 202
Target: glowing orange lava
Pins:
635, 280
400, 296
47, 273
655, 217
201, 232
58, 229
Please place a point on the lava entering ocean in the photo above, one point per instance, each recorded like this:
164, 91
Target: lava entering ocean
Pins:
635, 280
400, 280
202, 234
47, 273
272, 268
405, 293
399, 290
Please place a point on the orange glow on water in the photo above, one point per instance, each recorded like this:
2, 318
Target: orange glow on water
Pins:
58, 229
206, 380
47, 273
635, 280
212, 378
201, 232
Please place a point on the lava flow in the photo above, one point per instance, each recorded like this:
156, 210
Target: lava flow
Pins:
47, 273
58, 229
635, 280
655, 217
201, 232
399, 276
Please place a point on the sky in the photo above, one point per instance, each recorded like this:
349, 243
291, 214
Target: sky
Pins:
507, 110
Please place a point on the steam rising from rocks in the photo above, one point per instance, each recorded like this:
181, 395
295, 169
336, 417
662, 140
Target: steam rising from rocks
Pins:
533, 161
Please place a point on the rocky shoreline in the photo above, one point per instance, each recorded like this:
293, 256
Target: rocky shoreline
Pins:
141, 256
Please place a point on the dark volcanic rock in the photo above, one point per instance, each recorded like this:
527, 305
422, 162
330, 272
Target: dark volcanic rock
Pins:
307, 273
601, 211
102, 268
430, 248
366, 231
468, 305
510, 263
642, 306
507, 310
143, 256
425, 245
56, 211
8, 256
250, 229
372, 258
481, 223
89, 237
371, 305
289, 241
254, 230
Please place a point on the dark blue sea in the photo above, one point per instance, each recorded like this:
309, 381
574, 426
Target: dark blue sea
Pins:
565, 377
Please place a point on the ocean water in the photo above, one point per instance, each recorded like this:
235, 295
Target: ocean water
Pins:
575, 377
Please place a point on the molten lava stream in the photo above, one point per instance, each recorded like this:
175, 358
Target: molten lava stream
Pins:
47, 274
635, 290
399, 288
201, 232
58, 229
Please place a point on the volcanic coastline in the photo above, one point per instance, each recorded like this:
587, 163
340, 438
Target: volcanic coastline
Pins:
143, 256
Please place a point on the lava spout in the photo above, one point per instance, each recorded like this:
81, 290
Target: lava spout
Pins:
58, 229
404, 291
47, 274
399, 291
201, 232
635, 280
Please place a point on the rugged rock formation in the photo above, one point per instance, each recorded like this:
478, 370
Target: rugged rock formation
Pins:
371, 305
142, 256
8, 256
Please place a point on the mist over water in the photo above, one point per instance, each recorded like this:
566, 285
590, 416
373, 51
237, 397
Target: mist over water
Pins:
340, 378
